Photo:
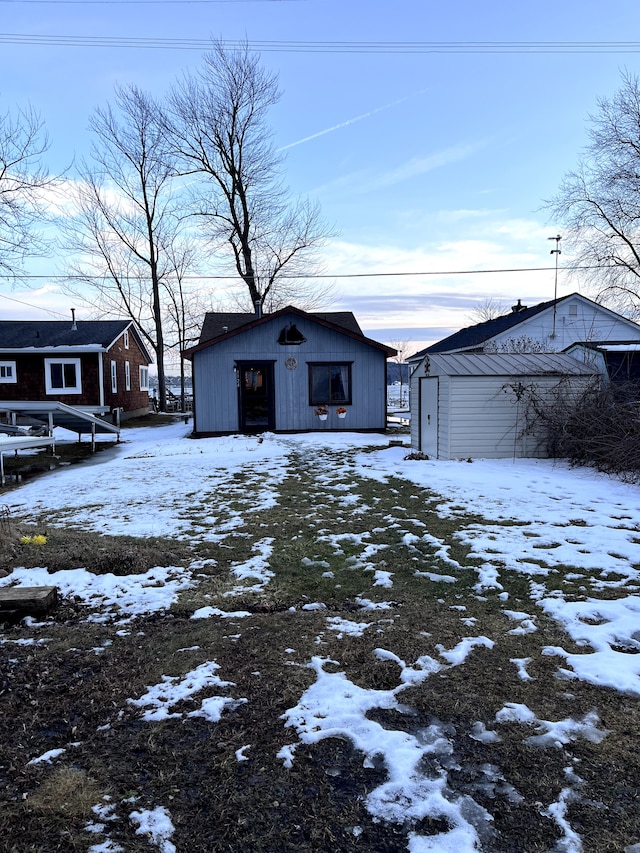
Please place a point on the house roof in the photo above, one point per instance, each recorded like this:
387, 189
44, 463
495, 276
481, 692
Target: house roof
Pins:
21, 335
219, 326
506, 364
473, 337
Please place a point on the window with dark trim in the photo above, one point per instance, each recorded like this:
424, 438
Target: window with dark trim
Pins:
329, 382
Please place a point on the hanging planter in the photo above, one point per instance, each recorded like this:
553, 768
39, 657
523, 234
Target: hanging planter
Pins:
341, 412
321, 412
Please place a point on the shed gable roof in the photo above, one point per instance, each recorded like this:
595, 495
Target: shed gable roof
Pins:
221, 325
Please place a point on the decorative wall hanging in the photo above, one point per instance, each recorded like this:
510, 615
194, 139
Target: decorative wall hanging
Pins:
290, 336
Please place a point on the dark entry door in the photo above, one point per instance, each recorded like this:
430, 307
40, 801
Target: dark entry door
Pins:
256, 396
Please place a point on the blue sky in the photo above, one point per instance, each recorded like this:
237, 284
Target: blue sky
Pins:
421, 161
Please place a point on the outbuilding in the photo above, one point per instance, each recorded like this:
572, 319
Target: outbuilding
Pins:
476, 405
288, 371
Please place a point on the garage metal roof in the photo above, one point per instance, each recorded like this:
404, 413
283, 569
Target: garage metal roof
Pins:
505, 364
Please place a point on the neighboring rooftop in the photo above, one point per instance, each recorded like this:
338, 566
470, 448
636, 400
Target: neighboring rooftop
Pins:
24, 334
474, 336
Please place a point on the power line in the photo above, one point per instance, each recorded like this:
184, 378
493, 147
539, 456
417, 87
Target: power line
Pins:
380, 47
231, 277
139, 2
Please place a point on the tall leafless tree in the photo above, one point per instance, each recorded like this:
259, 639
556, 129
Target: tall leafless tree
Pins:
488, 309
23, 182
127, 217
599, 202
216, 121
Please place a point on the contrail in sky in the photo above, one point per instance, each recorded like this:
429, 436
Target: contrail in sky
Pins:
349, 121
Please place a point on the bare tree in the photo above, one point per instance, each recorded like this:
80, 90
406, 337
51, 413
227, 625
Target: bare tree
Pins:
403, 350
599, 202
183, 308
488, 309
522, 344
127, 218
217, 123
23, 180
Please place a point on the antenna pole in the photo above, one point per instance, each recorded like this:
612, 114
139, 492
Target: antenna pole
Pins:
557, 251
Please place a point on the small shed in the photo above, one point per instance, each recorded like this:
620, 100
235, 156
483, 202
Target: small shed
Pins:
477, 405
288, 371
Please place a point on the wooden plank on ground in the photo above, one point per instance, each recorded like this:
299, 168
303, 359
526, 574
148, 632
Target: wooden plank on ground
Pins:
40, 598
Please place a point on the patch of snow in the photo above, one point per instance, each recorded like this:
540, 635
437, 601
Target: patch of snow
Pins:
156, 824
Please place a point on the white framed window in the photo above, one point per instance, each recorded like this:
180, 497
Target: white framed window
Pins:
127, 376
8, 372
144, 378
126, 339
114, 377
62, 376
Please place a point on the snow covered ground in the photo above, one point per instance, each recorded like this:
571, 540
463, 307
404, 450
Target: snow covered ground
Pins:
538, 516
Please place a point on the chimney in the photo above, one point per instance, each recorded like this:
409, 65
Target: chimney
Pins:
518, 308
258, 305
74, 325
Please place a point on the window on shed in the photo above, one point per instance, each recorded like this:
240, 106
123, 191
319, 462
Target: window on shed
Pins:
329, 382
144, 378
127, 376
126, 339
114, 377
62, 375
8, 372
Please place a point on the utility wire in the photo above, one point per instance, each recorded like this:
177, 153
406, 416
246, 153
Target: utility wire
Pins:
321, 275
380, 47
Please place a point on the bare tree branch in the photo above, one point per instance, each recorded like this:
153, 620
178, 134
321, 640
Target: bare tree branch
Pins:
217, 124
23, 182
127, 217
599, 202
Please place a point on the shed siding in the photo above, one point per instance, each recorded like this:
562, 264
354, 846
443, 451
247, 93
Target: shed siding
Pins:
486, 421
215, 382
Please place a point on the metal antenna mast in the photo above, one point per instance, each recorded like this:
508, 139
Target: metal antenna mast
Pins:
557, 251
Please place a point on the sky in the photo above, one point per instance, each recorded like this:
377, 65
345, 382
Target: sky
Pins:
538, 517
429, 133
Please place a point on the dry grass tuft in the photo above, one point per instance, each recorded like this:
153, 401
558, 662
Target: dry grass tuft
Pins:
69, 791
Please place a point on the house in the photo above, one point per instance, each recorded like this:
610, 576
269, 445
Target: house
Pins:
619, 362
478, 405
547, 327
282, 371
95, 365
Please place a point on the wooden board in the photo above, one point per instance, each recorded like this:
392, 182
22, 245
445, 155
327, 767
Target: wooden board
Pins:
39, 598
